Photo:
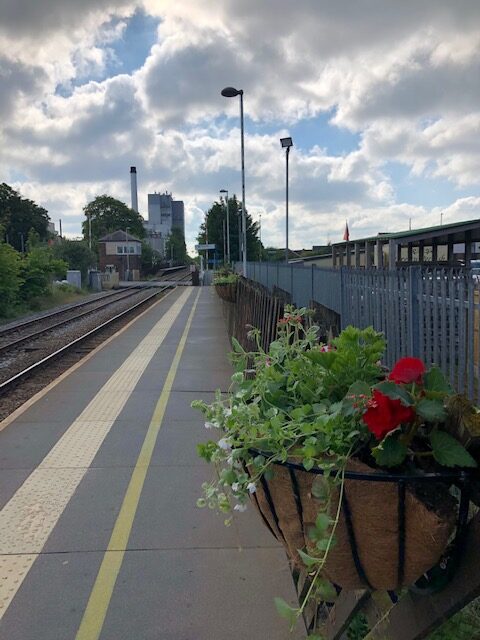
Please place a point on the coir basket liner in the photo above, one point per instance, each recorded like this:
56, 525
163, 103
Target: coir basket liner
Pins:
369, 552
227, 292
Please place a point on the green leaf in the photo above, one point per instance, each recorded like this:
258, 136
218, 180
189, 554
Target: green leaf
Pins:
321, 488
390, 452
322, 522
237, 347
324, 358
359, 388
308, 561
286, 611
449, 452
431, 410
395, 392
326, 590
325, 544
435, 381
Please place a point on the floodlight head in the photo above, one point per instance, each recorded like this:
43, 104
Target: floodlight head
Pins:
231, 92
286, 142
223, 191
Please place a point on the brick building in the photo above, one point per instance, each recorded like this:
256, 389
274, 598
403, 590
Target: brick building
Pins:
121, 251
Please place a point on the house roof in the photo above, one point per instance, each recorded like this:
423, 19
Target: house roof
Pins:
119, 236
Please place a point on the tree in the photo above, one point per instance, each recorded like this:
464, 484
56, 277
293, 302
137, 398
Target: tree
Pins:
175, 248
76, 254
213, 229
107, 215
19, 215
151, 259
10, 278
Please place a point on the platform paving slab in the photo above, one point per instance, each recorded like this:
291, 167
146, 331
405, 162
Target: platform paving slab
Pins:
51, 601
185, 575
207, 594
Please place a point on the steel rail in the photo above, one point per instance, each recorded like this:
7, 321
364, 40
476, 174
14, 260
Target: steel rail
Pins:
10, 329
37, 366
15, 343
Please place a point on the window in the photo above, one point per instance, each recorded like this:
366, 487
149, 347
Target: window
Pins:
119, 248
131, 248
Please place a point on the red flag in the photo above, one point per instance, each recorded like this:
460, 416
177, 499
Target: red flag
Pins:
346, 234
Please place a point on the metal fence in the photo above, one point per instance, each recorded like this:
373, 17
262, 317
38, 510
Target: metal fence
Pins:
430, 313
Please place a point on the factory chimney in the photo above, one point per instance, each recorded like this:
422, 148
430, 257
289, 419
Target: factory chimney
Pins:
133, 186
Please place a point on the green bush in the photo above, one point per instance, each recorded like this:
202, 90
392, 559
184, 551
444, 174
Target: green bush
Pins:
10, 279
39, 267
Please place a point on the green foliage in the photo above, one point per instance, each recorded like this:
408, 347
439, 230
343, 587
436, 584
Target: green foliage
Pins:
19, 215
449, 452
465, 625
39, 267
76, 254
151, 259
108, 215
10, 279
176, 249
225, 279
213, 230
390, 452
355, 359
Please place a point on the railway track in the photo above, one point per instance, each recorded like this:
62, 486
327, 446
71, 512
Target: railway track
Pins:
27, 376
10, 338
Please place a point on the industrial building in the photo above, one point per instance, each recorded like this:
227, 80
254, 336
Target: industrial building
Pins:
164, 214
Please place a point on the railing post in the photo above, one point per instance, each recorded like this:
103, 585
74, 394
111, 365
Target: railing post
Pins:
312, 283
291, 283
414, 273
342, 299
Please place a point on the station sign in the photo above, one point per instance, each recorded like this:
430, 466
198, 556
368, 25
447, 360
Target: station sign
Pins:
204, 247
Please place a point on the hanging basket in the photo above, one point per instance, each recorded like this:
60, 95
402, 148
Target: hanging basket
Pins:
227, 292
386, 537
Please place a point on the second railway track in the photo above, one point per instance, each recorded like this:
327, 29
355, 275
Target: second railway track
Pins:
27, 369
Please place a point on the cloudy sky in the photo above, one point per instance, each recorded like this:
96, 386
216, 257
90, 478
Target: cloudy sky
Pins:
381, 97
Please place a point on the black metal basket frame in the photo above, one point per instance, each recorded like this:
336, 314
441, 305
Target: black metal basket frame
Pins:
461, 478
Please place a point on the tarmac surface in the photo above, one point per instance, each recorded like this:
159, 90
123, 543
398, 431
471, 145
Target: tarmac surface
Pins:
100, 536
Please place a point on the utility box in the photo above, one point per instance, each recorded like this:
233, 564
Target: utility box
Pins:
74, 278
95, 280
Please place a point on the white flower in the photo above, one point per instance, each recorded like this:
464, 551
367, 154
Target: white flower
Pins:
240, 507
209, 425
251, 487
235, 486
228, 412
230, 460
224, 444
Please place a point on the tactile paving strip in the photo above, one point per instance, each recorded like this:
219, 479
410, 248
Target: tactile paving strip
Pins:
13, 570
27, 520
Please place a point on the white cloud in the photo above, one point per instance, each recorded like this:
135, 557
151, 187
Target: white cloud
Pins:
403, 75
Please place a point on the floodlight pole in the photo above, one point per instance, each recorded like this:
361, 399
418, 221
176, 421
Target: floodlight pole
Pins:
244, 220
287, 153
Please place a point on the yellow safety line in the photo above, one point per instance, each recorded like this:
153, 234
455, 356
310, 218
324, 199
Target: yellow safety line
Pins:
98, 603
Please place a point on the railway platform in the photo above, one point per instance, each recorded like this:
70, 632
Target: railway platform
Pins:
100, 536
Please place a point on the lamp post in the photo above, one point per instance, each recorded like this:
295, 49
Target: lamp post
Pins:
286, 144
228, 224
231, 92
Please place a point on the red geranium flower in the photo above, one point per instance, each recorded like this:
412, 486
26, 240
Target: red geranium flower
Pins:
384, 414
408, 370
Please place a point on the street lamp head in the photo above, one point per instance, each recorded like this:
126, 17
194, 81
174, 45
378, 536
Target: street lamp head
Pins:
223, 191
286, 142
231, 92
